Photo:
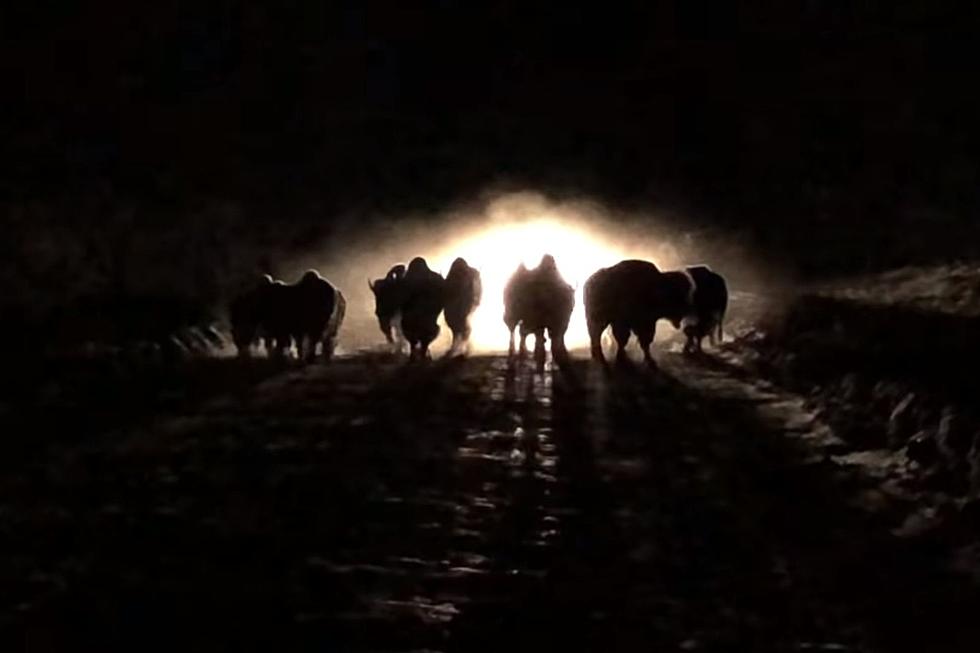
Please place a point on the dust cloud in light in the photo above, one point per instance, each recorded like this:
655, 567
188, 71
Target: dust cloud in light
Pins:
497, 252
497, 233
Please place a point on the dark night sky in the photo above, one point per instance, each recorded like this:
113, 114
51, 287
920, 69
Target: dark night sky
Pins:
760, 117
427, 97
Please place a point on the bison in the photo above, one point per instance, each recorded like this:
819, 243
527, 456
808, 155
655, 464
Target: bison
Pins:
250, 316
514, 308
309, 312
424, 299
389, 297
710, 305
463, 292
407, 303
539, 300
631, 296
316, 310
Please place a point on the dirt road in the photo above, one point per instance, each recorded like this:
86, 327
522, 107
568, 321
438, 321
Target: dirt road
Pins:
470, 505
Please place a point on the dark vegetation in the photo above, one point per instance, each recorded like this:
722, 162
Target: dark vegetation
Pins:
58, 401
887, 377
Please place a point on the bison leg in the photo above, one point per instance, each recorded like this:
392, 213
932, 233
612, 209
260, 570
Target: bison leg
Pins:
464, 338
287, 345
510, 347
397, 326
523, 348
539, 354
700, 335
689, 344
392, 328
595, 339
712, 329
243, 342
329, 346
430, 336
314, 339
645, 335
277, 346
460, 346
420, 350
558, 350
621, 332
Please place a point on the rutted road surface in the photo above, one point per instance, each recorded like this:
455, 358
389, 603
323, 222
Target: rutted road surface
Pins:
475, 505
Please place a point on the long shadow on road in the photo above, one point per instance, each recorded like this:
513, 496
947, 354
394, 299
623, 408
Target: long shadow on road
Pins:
759, 541
467, 506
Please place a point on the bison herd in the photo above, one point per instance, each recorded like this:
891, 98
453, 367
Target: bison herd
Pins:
536, 301
630, 297
308, 312
408, 302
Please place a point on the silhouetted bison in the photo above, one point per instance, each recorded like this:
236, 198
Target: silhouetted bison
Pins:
537, 300
316, 311
631, 296
308, 313
463, 291
389, 297
515, 298
710, 305
249, 313
424, 298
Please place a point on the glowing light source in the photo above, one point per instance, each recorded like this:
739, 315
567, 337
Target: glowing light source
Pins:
497, 252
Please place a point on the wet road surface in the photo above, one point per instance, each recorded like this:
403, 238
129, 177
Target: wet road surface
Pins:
469, 505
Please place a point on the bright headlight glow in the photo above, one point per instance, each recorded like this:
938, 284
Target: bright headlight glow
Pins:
497, 252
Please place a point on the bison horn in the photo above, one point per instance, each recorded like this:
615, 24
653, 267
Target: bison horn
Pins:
370, 284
